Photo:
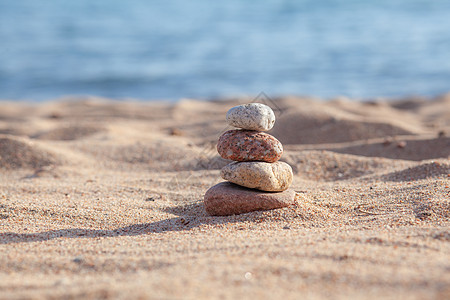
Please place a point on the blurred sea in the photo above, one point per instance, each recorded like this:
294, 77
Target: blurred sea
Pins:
148, 49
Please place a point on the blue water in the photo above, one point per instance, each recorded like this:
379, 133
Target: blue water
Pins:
204, 49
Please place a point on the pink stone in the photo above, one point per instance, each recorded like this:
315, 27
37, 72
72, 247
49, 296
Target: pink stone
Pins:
249, 145
227, 198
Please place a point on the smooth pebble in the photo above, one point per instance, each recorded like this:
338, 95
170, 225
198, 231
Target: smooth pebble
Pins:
227, 198
270, 177
252, 116
249, 145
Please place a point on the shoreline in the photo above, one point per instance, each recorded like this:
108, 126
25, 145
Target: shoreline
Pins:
242, 97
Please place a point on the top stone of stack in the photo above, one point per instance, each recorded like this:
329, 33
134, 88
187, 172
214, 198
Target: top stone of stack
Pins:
252, 116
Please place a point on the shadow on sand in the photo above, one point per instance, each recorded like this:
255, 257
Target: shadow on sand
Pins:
188, 217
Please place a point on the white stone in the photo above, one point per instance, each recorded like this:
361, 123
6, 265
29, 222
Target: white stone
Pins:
269, 177
252, 116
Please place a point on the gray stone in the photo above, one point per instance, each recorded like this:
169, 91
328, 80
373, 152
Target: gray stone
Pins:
227, 198
252, 116
269, 177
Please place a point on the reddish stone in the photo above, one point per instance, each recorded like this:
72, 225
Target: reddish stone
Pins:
249, 145
227, 198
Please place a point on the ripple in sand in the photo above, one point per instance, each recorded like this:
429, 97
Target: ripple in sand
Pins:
16, 153
158, 155
303, 128
330, 166
68, 133
411, 150
422, 171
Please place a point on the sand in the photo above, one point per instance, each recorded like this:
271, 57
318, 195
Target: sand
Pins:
103, 199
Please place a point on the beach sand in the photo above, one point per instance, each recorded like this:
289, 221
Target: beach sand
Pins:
104, 199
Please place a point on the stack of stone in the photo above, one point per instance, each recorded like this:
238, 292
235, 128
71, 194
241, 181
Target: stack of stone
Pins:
257, 180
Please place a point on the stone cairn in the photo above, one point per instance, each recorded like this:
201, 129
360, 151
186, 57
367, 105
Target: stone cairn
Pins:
256, 180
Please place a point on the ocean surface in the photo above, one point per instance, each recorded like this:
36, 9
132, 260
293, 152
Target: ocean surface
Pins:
203, 49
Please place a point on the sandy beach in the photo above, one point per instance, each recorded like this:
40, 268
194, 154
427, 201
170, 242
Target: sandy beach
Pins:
104, 199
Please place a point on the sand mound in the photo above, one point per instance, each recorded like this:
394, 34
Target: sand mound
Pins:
156, 155
17, 153
202, 132
68, 133
162, 155
13, 111
206, 129
96, 108
305, 128
189, 110
329, 166
409, 104
12, 130
422, 171
436, 114
417, 149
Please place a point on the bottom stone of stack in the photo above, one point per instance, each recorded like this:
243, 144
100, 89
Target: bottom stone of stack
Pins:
227, 198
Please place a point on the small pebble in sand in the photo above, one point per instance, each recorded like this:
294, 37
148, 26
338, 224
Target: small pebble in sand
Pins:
270, 177
248, 145
78, 259
227, 198
252, 116
401, 144
176, 131
387, 141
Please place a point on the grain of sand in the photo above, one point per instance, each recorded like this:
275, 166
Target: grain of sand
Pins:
103, 199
